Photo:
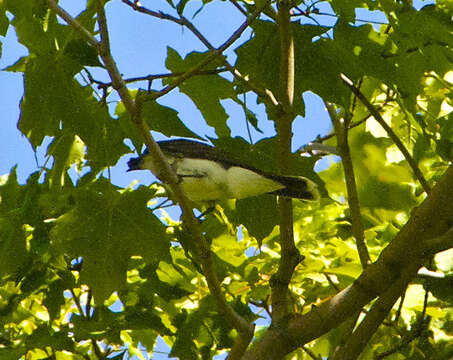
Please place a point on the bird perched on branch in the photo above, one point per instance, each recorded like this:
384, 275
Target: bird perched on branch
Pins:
207, 173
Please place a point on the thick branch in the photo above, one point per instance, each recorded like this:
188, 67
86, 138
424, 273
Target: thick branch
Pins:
410, 160
351, 187
374, 318
289, 257
240, 346
428, 230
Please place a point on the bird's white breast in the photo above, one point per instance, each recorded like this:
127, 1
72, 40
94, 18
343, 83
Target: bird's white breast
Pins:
203, 179
208, 180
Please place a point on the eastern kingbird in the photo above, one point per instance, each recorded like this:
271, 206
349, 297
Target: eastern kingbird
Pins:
207, 173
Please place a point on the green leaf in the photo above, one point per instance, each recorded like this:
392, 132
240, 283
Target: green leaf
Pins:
158, 117
205, 91
82, 52
13, 246
67, 150
164, 289
346, 8
66, 108
204, 324
393, 196
106, 227
45, 336
29, 24
19, 220
258, 60
258, 214
228, 249
4, 22
165, 120
18, 66
54, 297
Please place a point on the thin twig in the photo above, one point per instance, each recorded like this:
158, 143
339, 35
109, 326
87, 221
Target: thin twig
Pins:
77, 303
410, 160
351, 187
239, 7
351, 126
152, 77
73, 22
214, 52
247, 122
88, 304
400, 307
416, 332
264, 93
318, 149
261, 92
319, 13
97, 350
157, 14
329, 279
262, 304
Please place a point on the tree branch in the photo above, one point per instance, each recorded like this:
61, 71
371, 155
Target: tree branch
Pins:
74, 23
169, 177
351, 187
167, 174
239, 7
410, 160
152, 77
375, 316
318, 149
414, 243
240, 346
290, 256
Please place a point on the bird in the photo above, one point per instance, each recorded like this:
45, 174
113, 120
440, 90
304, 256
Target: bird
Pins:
209, 174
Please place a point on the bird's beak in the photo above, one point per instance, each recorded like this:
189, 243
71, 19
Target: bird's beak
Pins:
135, 164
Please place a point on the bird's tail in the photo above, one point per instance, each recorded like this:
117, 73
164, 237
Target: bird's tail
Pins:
296, 187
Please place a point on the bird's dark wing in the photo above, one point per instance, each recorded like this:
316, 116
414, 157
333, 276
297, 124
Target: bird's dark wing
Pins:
295, 186
198, 150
